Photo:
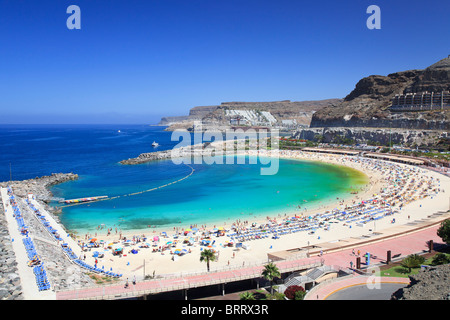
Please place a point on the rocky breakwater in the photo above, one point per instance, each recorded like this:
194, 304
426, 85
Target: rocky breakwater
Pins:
39, 185
198, 150
188, 151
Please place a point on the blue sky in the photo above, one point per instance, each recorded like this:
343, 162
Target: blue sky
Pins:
135, 61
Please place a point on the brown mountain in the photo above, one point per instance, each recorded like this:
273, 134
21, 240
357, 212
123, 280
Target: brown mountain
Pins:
368, 104
301, 111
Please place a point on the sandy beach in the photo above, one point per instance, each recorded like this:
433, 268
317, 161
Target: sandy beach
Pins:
413, 204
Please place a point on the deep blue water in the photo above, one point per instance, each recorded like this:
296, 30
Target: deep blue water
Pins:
36, 150
213, 193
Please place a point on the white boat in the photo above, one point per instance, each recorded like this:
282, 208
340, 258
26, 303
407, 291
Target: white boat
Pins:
155, 144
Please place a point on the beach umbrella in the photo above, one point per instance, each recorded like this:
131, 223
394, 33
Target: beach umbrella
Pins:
93, 239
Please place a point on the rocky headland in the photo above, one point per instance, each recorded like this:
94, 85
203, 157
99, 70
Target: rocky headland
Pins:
368, 104
217, 117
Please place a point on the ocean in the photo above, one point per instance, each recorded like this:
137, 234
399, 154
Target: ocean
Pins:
213, 194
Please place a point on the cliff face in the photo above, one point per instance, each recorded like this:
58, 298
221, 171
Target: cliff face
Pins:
367, 105
301, 111
425, 138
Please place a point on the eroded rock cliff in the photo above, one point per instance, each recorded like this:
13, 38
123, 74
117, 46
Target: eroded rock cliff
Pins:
368, 104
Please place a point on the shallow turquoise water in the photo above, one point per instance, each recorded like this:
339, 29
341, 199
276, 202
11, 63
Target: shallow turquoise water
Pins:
212, 195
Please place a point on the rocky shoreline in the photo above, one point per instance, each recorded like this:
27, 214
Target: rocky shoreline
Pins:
39, 185
10, 285
61, 272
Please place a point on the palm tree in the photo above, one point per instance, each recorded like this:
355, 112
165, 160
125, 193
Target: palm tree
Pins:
412, 261
207, 255
270, 272
247, 296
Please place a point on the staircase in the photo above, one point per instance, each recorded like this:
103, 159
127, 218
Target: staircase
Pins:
310, 276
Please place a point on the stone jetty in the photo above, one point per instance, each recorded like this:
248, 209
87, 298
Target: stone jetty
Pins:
181, 152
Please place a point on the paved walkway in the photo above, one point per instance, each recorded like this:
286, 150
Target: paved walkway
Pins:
402, 246
323, 292
179, 283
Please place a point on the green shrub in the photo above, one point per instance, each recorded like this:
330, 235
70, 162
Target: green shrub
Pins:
440, 258
412, 261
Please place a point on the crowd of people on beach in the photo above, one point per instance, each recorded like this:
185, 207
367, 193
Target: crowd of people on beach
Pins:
401, 185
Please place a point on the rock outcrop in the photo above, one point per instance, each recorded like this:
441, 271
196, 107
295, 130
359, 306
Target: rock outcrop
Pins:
10, 284
367, 105
39, 185
381, 136
300, 111
433, 283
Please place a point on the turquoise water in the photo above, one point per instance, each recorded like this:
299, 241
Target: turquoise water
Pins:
214, 194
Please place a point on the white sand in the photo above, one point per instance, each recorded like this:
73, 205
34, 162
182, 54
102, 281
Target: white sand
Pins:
161, 263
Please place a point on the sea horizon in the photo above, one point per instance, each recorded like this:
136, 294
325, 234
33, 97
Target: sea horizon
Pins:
214, 193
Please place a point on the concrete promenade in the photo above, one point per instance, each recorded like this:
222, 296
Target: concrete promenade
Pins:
402, 240
118, 291
402, 246
322, 292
